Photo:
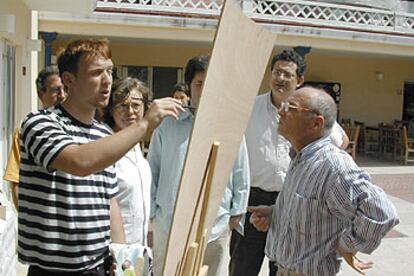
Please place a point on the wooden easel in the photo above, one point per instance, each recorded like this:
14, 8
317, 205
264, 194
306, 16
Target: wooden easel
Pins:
241, 52
192, 263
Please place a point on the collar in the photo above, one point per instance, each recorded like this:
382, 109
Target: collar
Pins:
270, 107
73, 119
187, 114
309, 150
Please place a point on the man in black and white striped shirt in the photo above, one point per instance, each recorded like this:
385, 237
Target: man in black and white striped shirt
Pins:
67, 210
328, 205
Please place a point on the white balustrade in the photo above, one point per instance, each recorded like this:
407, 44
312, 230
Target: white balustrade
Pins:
309, 13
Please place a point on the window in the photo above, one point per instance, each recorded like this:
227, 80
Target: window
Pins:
164, 79
160, 80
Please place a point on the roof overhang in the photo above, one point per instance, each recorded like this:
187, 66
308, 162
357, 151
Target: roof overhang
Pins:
68, 6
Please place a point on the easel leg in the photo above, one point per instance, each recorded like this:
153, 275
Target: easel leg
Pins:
203, 271
190, 264
195, 255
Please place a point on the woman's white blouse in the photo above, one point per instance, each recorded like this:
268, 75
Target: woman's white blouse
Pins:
134, 181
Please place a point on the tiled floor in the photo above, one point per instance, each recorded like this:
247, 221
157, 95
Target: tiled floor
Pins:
398, 185
394, 256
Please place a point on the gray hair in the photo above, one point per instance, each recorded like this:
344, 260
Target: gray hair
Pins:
43, 75
320, 101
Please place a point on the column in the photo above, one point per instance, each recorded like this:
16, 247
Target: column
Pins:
48, 37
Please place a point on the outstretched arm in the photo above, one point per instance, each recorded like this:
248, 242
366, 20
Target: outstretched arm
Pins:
95, 156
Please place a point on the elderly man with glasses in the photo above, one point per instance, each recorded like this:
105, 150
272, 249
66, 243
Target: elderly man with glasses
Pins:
328, 205
50, 92
268, 159
49, 87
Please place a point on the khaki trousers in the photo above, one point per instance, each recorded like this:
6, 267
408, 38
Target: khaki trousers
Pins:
215, 257
281, 271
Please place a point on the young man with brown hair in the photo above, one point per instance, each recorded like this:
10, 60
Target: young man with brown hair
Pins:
67, 210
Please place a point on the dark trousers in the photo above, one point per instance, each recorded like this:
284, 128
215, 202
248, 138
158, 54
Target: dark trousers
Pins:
37, 271
247, 252
101, 270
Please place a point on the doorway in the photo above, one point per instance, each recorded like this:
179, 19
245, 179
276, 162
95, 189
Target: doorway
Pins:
7, 90
408, 104
159, 80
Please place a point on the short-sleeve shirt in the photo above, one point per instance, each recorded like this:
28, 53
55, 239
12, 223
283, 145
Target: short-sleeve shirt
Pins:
12, 169
63, 219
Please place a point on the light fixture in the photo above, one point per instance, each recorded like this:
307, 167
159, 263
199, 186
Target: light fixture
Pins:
379, 75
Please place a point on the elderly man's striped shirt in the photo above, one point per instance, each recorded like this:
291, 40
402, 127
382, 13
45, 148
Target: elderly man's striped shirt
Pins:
326, 200
63, 219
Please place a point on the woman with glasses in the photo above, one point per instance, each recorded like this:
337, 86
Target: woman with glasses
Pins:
126, 106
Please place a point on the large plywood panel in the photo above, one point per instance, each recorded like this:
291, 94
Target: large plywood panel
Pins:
237, 65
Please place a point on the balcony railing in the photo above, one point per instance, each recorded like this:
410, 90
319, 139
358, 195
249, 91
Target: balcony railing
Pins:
179, 7
309, 13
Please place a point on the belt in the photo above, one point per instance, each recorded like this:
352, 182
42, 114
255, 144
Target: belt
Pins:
282, 271
258, 190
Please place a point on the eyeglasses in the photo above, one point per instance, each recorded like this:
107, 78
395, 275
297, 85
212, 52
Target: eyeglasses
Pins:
135, 106
286, 75
55, 89
286, 106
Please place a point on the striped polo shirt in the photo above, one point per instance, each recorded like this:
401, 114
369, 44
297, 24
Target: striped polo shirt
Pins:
63, 219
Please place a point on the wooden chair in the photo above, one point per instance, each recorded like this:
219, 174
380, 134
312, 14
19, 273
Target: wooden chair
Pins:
401, 123
408, 146
346, 122
361, 143
386, 139
410, 129
353, 141
369, 138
